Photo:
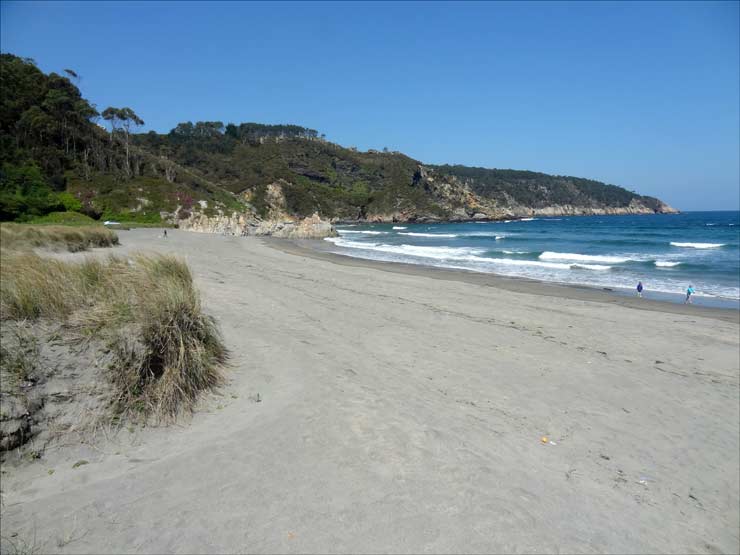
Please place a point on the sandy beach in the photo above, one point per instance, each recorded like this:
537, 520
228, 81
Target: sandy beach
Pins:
384, 408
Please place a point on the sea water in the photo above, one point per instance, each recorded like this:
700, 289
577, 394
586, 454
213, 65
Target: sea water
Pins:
667, 252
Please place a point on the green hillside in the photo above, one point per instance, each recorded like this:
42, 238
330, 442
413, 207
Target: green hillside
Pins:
55, 157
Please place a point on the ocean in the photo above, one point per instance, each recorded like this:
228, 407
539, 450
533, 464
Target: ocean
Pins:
667, 252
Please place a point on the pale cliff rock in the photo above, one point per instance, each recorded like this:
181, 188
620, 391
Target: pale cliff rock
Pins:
634, 207
312, 227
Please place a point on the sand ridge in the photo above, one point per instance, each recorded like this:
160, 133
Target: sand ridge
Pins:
403, 413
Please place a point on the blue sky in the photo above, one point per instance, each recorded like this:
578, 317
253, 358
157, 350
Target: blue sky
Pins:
642, 95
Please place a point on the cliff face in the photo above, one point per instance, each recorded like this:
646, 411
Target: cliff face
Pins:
241, 224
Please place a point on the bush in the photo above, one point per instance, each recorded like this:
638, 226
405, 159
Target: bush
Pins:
166, 352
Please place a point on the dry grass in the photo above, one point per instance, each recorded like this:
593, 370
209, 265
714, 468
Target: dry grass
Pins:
145, 308
57, 237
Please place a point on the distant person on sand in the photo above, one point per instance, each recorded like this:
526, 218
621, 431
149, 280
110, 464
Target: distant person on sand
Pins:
690, 291
639, 289
165, 234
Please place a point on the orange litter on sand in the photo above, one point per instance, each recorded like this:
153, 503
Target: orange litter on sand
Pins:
544, 439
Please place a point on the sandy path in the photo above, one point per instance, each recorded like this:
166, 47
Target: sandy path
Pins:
401, 413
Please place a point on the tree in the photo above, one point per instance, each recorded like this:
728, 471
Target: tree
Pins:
127, 119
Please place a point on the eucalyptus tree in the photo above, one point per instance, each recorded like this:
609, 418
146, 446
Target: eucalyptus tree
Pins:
124, 119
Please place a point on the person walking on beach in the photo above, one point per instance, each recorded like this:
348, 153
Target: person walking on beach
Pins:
165, 234
689, 291
639, 289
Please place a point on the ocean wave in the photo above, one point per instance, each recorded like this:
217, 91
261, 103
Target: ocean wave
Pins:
528, 219
515, 252
666, 264
550, 265
440, 253
398, 227
461, 254
482, 235
341, 242
698, 245
443, 235
366, 232
548, 255
599, 267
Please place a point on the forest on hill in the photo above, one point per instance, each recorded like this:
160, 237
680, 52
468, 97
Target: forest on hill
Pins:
60, 154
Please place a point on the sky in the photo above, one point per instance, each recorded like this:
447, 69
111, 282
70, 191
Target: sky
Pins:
641, 95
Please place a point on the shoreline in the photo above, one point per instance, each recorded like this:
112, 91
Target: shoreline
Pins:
313, 249
489, 219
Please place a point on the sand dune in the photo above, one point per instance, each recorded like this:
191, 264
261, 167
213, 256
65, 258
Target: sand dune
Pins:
401, 412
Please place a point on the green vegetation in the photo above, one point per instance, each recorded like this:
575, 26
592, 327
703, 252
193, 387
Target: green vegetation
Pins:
54, 157
64, 218
165, 351
73, 239
539, 190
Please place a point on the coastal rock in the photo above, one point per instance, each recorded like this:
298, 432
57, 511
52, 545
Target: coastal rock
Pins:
634, 207
312, 227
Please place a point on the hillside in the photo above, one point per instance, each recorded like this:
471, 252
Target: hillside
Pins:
55, 157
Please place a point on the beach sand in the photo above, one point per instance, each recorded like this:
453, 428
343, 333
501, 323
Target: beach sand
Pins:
403, 409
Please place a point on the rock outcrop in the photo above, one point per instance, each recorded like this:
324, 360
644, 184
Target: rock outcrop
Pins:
312, 227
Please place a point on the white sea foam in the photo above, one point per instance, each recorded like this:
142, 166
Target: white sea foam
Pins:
483, 234
444, 235
515, 252
598, 267
398, 227
550, 265
440, 253
698, 245
548, 255
366, 232
666, 264
528, 219
342, 242
465, 254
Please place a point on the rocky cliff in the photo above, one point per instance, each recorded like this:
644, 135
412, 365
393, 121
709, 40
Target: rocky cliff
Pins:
245, 224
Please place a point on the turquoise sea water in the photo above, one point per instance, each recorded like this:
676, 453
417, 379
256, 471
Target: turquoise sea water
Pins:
666, 252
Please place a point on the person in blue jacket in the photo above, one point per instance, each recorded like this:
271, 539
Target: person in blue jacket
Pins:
689, 291
639, 289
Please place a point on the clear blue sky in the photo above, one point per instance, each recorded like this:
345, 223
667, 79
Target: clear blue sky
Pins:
643, 95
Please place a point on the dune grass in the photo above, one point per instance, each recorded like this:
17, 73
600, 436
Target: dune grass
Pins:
64, 218
164, 351
56, 237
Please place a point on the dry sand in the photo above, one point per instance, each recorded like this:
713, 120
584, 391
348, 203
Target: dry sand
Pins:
403, 411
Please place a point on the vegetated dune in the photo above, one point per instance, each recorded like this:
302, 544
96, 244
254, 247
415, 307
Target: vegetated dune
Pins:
134, 323
55, 237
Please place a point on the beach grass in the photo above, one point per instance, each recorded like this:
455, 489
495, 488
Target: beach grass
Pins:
56, 237
164, 351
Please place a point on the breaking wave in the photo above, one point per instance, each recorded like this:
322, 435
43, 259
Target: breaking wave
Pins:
548, 255
698, 245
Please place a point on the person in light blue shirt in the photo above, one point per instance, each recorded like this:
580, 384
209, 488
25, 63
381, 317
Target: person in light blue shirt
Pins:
690, 291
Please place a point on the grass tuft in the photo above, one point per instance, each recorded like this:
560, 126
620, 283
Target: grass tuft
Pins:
56, 237
166, 352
